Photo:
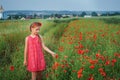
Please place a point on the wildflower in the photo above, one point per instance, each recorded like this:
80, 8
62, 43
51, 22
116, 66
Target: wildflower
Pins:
102, 72
76, 47
80, 75
114, 60
56, 56
62, 66
64, 71
55, 65
80, 36
80, 51
86, 50
61, 48
80, 72
70, 42
92, 67
81, 46
93, 61
73, 70
91, 78
98, 55
12, 68
107, 62
65, 56
47, 75
94, 37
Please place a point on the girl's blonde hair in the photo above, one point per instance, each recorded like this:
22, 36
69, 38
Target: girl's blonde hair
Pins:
36, 24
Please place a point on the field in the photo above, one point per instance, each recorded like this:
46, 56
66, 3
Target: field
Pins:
87, 49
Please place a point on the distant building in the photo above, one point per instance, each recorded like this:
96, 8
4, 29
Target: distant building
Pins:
67, 16
1, 12
87, 16
99, 14
22, 18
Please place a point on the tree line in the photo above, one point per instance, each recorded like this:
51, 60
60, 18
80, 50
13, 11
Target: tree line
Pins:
42, 16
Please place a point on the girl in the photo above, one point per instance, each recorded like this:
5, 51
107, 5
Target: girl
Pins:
33, 54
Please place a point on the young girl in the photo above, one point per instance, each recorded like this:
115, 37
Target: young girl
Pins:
33, 54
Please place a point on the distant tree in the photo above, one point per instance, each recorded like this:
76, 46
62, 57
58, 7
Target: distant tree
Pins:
58, 15
83, 14
35, 15
104, 14
74, 15
46, 16
41, 16
16, 16
79, 15
116, 13
94, 14
13, 17
66, 16
108, 14
52, 15
9, 17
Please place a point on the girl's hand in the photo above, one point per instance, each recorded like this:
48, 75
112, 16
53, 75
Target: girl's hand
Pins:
53, 55
25, 63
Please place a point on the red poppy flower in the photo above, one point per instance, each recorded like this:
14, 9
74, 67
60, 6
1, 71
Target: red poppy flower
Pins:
73, 70
91, 78
93, 61
56, 56
86, 50
47, 75
94, 37
107, 62
80, 75
102, 72
98, 55
64, 71
76, 47
80, 51
81, 46
12, 68
65, 56
61, 49
80, 71
62, 66
80, 36
70, 42
114, 60
55, 65
92, 67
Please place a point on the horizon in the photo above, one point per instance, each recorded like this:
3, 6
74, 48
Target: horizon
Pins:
58, 5
65, 10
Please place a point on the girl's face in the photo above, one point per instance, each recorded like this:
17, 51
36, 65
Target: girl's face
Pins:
35, 30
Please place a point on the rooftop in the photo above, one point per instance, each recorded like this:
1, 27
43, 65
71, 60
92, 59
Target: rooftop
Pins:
1, 8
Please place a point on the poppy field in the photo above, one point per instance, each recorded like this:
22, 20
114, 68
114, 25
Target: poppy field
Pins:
87, 49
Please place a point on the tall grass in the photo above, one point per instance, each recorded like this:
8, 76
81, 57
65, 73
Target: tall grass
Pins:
83, 46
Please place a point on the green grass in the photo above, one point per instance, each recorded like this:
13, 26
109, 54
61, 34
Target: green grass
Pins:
63, 37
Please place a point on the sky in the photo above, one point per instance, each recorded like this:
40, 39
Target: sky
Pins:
72, 5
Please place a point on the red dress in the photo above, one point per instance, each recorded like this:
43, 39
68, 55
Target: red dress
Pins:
35, 58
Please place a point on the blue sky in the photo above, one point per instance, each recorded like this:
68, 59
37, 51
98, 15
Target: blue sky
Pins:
76, 5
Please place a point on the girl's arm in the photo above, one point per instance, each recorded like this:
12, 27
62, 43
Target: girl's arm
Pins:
25, 51
47, 49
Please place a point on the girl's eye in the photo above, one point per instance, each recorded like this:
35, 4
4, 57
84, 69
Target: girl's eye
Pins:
37, 29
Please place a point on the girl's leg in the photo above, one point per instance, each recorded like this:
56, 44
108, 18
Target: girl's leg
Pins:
34, 75
39, 75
